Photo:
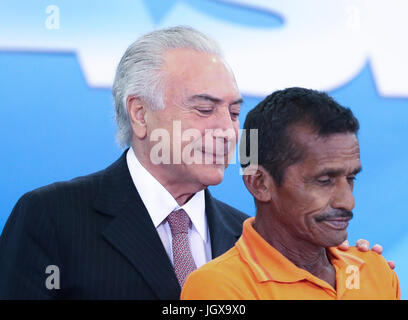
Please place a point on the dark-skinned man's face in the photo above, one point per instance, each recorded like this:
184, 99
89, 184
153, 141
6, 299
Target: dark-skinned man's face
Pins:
315, 199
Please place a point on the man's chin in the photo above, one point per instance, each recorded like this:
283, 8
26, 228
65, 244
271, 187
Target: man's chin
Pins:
331, 234
336, 240
211, 175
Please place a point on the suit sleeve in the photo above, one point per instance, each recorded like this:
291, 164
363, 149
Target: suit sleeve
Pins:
27, 247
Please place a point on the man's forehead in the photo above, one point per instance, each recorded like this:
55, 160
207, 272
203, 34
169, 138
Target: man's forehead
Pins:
338, 143
332, 148
193, 75
179, 59
308, 138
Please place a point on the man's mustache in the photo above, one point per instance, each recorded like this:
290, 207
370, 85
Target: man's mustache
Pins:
338, 213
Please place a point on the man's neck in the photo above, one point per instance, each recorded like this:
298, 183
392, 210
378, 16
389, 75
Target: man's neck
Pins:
180, 191
303, 254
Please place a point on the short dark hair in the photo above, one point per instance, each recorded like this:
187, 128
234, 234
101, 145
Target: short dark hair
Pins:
286, 108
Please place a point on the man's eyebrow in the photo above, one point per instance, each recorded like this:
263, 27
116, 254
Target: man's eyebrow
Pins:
238, 101
337, 172
207, 97
358, 170
204, 97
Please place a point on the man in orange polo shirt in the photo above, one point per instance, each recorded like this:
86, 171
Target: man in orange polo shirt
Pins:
308, 159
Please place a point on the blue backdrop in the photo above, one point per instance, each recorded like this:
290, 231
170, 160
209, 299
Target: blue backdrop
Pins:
56, 111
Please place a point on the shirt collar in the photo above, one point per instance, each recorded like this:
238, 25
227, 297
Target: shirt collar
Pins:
159, 202
268, 264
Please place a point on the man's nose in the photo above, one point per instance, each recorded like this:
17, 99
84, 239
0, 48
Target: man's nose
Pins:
223, 119
223, 125
343, 196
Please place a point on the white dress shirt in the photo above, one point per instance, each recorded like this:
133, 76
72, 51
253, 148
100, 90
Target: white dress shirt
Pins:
160, 203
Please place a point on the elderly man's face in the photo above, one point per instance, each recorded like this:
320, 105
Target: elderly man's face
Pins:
201, 95
315, 200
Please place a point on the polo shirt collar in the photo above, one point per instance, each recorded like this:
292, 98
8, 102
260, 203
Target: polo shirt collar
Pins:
268, 264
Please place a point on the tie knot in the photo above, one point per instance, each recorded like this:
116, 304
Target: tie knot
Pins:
179, 222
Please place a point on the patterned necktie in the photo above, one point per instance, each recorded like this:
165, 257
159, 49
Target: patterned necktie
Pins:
183, 260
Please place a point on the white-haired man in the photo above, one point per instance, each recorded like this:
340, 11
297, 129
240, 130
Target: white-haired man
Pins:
136, 229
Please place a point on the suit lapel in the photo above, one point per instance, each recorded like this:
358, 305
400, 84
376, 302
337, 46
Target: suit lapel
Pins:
222, 237
132, 232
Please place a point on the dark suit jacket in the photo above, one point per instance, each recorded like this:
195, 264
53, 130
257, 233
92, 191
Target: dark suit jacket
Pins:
98, 233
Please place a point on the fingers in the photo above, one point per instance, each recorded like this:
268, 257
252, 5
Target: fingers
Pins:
363, 245
377, 248
344, 246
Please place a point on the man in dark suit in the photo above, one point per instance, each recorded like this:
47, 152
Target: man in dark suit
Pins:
136, 229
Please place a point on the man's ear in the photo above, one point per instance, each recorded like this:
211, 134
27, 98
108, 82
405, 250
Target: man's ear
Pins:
136, 108
260, 184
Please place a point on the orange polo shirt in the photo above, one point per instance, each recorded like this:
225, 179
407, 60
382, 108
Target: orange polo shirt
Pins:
253, 269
